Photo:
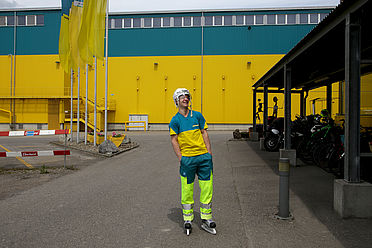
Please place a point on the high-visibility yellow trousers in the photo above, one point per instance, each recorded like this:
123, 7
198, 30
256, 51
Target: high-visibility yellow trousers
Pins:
202, 166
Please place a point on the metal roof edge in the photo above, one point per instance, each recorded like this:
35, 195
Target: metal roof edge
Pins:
220, 10
30, 9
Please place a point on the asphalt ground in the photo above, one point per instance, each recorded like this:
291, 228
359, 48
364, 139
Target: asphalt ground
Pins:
132, 200
39, 143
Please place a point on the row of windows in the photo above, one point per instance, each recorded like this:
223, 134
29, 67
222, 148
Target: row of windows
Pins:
197, 21
24, 20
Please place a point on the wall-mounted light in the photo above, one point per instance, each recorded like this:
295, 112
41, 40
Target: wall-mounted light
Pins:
138, 77
156, 63
253, 77
223, 77
58, 62
249, 64
165, 77
194, 77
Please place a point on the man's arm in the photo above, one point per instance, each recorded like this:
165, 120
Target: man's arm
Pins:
206, 140
176, 146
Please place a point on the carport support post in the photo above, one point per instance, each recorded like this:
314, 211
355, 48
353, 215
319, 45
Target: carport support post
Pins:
287, 107
352, 101
329, 99
266, 105
254, 109
302, 104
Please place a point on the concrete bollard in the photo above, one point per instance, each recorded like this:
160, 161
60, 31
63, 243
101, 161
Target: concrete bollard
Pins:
284, 213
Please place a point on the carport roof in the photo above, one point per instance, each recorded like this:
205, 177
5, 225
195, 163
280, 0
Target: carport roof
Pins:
319, 58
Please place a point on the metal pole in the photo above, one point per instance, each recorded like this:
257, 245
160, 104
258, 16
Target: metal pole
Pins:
202, 62
287, 107
78, 109
14, 67
86, 104
302, 104
72, 104
284, 213
64, 159
254, 110
266, 105
95, 101
106, 81
329, 99
11, 87
352, 100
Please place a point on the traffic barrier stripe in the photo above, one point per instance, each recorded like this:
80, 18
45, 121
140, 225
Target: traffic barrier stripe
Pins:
35, 153
34, 132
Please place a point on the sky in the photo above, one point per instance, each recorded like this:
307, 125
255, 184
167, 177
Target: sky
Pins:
165, 5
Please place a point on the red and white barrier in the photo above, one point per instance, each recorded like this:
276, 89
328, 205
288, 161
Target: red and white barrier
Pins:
34, 153
34, 132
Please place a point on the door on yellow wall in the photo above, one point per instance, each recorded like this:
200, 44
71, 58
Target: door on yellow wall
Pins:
53, 114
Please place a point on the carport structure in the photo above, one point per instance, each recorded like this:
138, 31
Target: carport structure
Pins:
338, 49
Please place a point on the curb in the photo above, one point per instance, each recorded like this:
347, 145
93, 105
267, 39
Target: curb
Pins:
135, 145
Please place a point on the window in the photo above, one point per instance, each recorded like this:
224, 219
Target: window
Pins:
177, 21
291, 19
127, 22
208, 20
31, 20
239, 20
156, 22
322, 16
117, 23
2, 21
147, 22
39, 20
249, 20
187, 21
271, 19
166, 21
259, 19
196, 21
281, 19
136, 22
227, 20
218, 20
10, 20
314, 18
21, 20
304, 18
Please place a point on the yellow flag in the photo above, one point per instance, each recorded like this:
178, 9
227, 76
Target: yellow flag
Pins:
75, 25
64, 37
92, 32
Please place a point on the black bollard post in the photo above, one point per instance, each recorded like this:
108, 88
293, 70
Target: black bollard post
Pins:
284, 213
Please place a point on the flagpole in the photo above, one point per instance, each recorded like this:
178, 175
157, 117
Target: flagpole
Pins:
78, 109
72, 103
106, 85
95, 100
86, 104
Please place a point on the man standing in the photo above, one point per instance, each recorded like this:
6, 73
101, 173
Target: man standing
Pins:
191, 144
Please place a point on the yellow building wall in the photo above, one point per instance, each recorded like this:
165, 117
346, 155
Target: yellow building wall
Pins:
145, 85
38, 77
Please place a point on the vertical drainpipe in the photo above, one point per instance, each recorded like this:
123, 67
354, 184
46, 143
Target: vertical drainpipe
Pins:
202, 62
11, 86
14, 68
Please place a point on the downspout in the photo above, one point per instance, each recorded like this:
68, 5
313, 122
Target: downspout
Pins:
11, 87
14, 70
202, 62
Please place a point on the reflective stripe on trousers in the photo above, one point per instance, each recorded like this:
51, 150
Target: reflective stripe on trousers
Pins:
187, 199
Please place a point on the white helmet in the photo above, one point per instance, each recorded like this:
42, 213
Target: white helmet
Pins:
180, 92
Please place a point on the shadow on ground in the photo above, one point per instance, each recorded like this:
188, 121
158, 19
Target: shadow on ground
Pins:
314, 187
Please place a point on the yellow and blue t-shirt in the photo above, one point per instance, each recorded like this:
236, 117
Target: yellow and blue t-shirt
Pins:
188, 129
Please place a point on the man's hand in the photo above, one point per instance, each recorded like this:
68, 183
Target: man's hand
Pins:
176, 146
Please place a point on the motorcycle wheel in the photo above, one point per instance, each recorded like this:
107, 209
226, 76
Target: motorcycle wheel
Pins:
272, 142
